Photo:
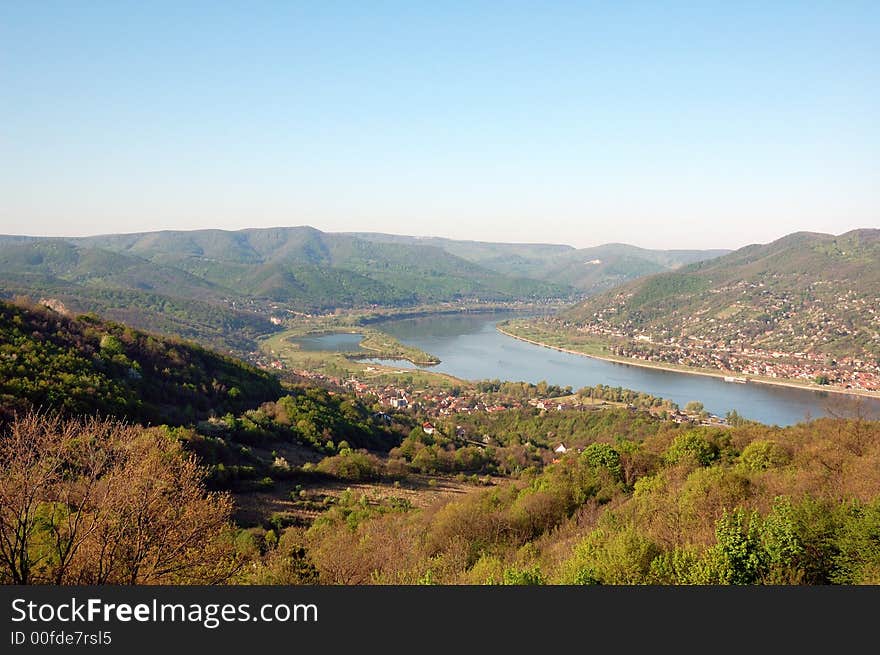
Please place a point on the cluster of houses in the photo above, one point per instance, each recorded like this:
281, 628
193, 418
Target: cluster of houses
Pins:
766, 334
437, 402
441, 403
848, 373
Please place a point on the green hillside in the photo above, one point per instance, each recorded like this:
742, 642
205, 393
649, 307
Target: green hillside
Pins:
810, 293
589, 270
596, 269
220, 288
737, 506
246, 272
322, 271
85, 365
214, 324
97, 268
300, 267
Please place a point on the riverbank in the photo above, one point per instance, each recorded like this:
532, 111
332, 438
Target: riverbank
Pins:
283, 353
385, 346
378, 344
793, 384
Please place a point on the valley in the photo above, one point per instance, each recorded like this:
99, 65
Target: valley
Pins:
441, 424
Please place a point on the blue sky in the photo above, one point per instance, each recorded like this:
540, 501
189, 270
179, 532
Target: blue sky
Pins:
660, 124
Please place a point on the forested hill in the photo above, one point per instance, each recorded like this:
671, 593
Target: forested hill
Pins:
303, 266
589, 270
806, 292
220, 288
85, 365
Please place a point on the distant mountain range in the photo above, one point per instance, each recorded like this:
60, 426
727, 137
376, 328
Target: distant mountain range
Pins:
299, 265
588, 270
806, 292
216, 286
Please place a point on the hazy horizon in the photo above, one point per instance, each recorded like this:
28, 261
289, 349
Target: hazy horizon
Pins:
416, 236
663, 126
362, 229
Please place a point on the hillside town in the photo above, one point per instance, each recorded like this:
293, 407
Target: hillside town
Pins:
846, 372
747, 337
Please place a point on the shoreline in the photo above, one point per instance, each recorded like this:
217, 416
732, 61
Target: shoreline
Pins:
708, 373
355, 357
363, 332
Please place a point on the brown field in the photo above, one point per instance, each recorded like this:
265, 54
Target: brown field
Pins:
252, 508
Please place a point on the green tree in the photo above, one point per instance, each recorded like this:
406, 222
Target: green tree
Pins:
603, 455
763, 454
738, 550
691, 446
523, 576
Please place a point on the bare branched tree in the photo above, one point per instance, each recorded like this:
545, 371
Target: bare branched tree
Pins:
854, 415
95, 501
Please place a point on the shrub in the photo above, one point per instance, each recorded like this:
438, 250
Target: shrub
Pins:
529, 576
762, 454
352, 465
602, 455
619, 555
691, 446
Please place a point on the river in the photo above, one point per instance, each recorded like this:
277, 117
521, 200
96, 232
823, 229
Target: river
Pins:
470, 347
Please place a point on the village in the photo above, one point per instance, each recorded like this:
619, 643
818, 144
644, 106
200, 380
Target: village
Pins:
746, 339
435, 402
846, 373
